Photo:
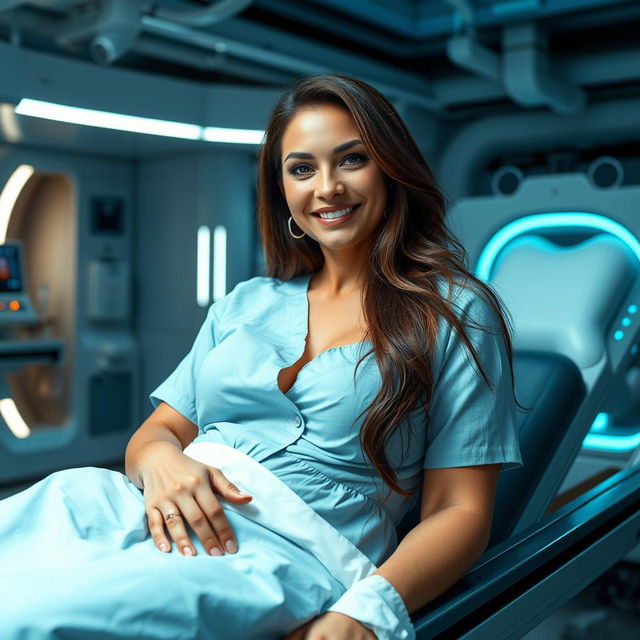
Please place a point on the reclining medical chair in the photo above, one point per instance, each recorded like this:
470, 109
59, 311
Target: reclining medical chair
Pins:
566, 303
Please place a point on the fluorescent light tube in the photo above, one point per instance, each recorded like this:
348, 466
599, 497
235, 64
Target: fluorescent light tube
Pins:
107, 120
135, 124
242, 136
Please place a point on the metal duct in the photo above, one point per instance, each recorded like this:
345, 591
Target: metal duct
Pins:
527, 74
208, 61
217, 12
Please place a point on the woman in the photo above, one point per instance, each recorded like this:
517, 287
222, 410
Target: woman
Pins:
331, 450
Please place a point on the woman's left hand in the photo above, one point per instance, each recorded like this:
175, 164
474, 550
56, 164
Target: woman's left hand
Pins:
332, 626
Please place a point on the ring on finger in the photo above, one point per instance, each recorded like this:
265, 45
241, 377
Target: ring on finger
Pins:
170, 516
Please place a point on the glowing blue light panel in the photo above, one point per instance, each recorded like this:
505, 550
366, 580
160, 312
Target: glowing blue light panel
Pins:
601, 422
551, 221
595, 439
611, 443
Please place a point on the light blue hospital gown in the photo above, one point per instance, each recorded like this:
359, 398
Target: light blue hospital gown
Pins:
80, 560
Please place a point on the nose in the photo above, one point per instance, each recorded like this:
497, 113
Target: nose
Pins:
328, 185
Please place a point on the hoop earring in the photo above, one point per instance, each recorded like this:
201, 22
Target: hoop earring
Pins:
291, 232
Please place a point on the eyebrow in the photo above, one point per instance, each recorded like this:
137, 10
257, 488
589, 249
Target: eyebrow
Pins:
309, 156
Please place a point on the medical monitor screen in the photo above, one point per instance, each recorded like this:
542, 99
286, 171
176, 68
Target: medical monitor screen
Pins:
10, 276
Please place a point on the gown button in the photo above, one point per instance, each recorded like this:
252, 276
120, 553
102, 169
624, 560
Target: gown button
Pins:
297, 421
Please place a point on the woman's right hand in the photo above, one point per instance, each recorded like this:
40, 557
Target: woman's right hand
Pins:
180, 490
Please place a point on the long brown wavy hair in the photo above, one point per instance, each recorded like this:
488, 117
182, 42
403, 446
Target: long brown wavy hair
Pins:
402, 303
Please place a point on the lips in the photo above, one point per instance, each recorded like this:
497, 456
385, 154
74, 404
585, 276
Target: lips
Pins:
353, 207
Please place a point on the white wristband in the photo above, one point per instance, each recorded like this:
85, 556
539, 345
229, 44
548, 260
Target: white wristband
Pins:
376, 604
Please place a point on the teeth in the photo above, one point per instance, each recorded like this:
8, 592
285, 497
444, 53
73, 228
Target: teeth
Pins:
335, 214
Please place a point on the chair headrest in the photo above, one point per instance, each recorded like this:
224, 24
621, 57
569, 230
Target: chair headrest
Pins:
563, 299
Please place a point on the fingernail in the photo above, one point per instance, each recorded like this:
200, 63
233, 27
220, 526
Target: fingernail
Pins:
231, 546
164, 546
188, 551
214, 551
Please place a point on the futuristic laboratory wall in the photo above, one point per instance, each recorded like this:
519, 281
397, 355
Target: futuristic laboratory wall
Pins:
128, 142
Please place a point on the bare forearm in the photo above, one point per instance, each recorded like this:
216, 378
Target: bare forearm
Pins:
150, 433
435, 554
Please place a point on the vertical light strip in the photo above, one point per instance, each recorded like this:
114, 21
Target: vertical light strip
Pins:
9, 124
203, 262
10, 195
219, 263
14, 420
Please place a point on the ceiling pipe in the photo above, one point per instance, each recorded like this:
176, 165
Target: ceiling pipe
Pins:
6, 5
527, 72
524, 69
487, 138
117, 27
207, 61
109, 26
465, 13
426, 23
444, 26
272, 66
217, 12
352, 31
285, 62
466, 52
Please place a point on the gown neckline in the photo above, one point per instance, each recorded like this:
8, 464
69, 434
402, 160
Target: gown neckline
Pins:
299, 322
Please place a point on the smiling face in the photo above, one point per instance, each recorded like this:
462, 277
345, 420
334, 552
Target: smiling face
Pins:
325, 168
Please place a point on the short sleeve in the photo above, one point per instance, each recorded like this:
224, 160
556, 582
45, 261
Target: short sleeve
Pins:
178, 390
468, 422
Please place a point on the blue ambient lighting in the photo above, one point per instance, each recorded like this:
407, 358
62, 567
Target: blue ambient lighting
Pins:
634, 349
538, 221
611, 443
618, 335
625, 322
595, 439
600, 423
548, 221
